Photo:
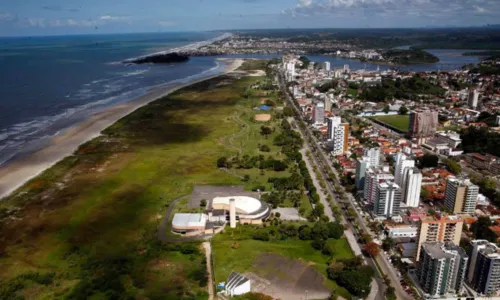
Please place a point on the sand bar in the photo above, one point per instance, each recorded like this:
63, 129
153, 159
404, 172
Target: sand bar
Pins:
16, 173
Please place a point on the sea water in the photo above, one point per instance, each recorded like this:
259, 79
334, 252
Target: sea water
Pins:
48, 84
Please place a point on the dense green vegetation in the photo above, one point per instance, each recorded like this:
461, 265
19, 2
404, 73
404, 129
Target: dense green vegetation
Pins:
480, 140
400, 122
409, 57
408, 88
386, 38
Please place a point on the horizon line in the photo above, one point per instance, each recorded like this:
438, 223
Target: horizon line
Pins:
487, 26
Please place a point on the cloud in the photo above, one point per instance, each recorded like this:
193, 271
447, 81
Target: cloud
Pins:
59, 8
6, 17
114, 18
444, 10
166, 23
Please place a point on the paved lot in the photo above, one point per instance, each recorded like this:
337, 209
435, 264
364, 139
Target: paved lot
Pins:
208, 192
289, 214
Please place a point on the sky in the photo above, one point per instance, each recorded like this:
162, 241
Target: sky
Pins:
59, 17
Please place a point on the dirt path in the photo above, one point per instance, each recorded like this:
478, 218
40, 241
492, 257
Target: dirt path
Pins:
208, 254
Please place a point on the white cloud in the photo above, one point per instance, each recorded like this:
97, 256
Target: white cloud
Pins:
113, 18
166, 23
425, 9
4, 16
479, 9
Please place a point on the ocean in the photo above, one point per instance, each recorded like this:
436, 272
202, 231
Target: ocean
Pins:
48, 84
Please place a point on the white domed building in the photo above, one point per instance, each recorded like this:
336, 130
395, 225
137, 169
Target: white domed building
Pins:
247, 210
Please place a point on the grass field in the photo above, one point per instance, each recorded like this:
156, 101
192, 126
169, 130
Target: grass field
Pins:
242, 259
90, 222
400, 122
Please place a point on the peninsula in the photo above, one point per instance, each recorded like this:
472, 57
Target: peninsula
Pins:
160, 58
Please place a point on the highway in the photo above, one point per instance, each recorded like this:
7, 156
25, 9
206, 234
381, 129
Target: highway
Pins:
323, 162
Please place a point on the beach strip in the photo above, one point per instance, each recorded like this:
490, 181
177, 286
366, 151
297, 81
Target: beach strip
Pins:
16, 173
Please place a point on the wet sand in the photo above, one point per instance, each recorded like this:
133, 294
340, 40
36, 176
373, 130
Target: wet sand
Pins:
16, 173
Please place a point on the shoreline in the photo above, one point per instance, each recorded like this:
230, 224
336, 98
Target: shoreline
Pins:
16, 173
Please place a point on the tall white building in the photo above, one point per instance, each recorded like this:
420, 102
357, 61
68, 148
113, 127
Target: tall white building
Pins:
373, 176
326, 65
337, 135
473, 98
318, 116
370, 159
373, 156
402, 162
387, 199
412, 186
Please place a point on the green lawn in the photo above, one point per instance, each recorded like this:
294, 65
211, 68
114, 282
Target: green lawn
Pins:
400, 122
91, 220
227, 258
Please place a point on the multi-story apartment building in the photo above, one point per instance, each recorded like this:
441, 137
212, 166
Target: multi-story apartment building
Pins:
438, 229
318, 116
370, 159
441, 269
460, 195
387, 200
412, 185
402, 162
373, 176
337, 135
484, 267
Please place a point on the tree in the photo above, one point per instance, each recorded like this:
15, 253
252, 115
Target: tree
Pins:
265, 131
387, 244
429, 161
481, 229
334, 270
203, 202
403, 110
372, 249
424, 193
261, 235
453, 166
222, 162
386, 109
320, 230
265, 148
318, 244
288, 112
305, 233
335, 230
366, 238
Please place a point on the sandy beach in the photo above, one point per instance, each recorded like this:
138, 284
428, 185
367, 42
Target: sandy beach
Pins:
16, 173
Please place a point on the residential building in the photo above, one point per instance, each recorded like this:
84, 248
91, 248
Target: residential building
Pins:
460, 195
484, 267
361, 165
326, 66
318, 116
337, 135
412, 185
328, 104
438, 229
402, 162
373, 156
423, 123
373, 176
387, 200
486, 162
441, 269
370, 159
473, 99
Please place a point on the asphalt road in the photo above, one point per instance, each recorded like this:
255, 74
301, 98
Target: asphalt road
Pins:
323, 160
